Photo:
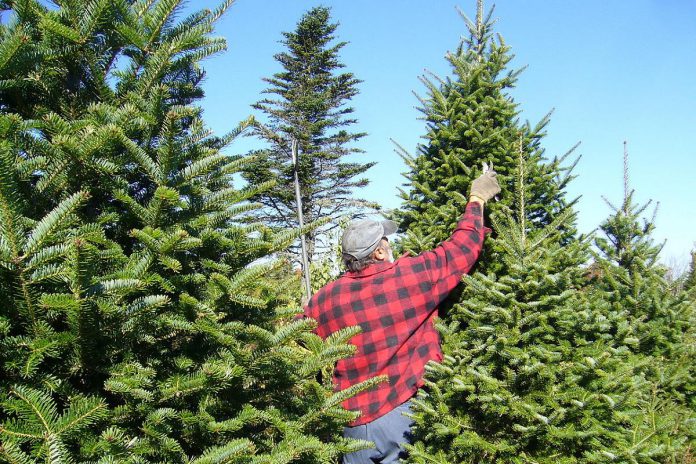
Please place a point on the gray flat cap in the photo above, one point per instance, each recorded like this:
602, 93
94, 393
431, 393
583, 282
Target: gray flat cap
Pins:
362, 237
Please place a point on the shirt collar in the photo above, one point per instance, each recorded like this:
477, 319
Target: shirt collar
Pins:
372, 269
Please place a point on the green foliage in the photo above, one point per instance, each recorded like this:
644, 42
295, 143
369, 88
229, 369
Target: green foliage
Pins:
533, 370
470, 119
39, 423
540, 366
629, 278
307, 103
138, 324
144, 318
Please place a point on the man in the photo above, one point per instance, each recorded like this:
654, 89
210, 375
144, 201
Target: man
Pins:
394, 303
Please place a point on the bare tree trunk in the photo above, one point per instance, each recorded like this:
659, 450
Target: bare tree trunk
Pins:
298, 199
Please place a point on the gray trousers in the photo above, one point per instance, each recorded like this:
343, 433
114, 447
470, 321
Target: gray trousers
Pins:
388, 432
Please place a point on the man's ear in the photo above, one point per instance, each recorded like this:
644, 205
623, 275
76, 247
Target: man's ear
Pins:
380, 254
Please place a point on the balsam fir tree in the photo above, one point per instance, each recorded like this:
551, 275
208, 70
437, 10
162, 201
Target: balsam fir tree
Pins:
534, 372
471, 118
135, 327
308, 102
632, 281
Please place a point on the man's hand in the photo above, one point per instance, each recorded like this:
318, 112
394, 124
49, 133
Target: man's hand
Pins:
484, 187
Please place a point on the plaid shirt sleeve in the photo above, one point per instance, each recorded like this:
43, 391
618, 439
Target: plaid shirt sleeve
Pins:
395, 305
454, 257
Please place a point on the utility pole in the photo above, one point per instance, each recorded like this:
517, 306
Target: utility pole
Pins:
300, 220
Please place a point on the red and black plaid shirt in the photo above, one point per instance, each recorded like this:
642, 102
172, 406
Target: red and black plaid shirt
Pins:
395, 304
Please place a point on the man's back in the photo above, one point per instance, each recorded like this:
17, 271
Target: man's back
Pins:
395, 304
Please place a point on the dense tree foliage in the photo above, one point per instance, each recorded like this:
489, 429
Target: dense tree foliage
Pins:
630, 279
134, 327
534, 371
144, 317
471, 118
539, 365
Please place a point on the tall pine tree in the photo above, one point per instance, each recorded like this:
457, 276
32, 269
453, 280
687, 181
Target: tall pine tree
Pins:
308, 103
471, 118
134, 326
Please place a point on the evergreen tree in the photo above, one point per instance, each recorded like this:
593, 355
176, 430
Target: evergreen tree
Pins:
633, 282
471, 118
134, 326
633, 279
537, 368
308, 103
533, 370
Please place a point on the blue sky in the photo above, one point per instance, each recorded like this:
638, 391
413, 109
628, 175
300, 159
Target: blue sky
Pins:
612, 70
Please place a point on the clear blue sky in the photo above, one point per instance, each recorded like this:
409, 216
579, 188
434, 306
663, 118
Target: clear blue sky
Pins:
613, 71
